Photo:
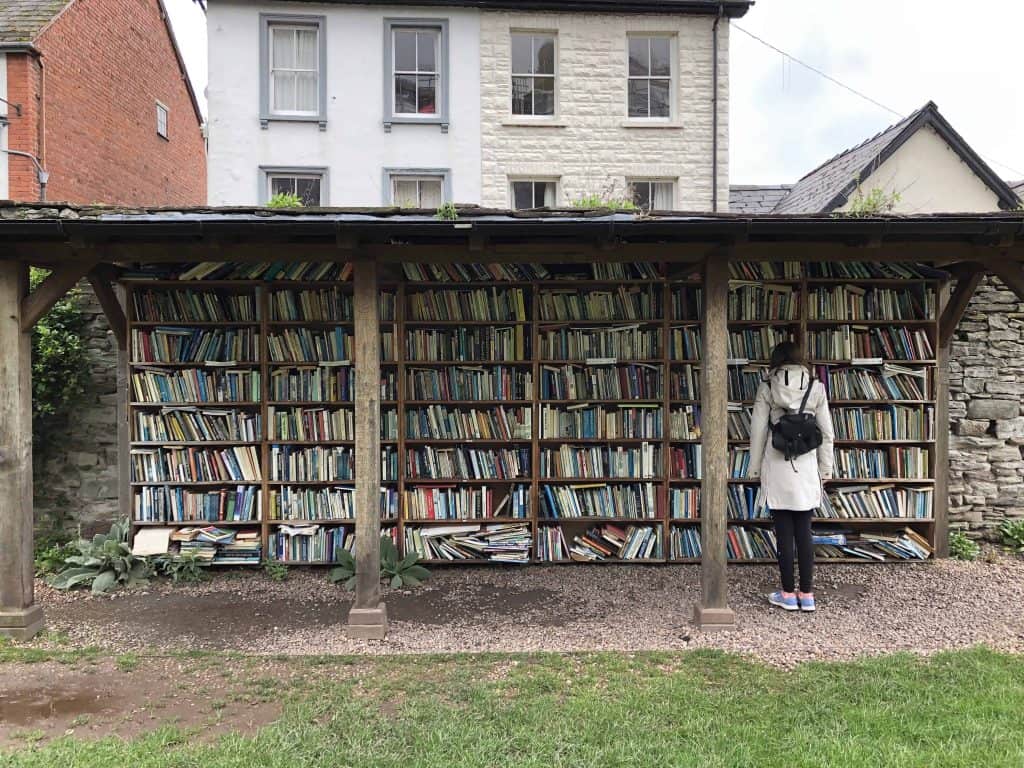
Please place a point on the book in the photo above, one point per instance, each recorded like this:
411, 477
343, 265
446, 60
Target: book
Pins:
480, 304
504, 543
198, 306
597, 462
623, 500
585, 421
623, 302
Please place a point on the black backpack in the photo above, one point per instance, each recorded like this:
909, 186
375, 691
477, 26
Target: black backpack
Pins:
795, 434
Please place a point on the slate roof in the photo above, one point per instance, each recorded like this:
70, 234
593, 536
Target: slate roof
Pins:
754, 198
829, 186
22, 20
730, 8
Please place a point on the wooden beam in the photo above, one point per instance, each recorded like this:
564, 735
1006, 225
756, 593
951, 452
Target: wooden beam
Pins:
957, 304
112, 307
713, 612
61, 280
368, 617
1012, 275
940, 509
20, 617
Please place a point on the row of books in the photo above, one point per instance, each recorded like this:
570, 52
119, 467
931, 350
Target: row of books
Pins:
585, 421
303, 345
684, 423
750, 543
479, 304
684, 503
684, 382
468, 273
619, 303
309, 543
684, 542
878, 501
764, 270
467, 344
888, 422
854, 302
438, 422
316, 463
191, 424
600, 346
743, 382
739, 462
314, 305
430, 463
334, 503
158, 504
685, 343
756, 343
685, 462
466, 503
317, 383
739, 418
192, 385
763, 301
910, 462
309, 424
850, 342
687, 303
269, 271
499, 543
185, 345
746, 502
497, 382
637, 381
190, 465
219, 546
905, 545
637, 501
188, 305
860, 270
633, 270
614, 542
884, 382
576, 461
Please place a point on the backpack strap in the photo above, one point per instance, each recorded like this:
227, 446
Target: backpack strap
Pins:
807, 394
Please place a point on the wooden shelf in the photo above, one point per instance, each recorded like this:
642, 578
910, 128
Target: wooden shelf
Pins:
197, 323
470, 521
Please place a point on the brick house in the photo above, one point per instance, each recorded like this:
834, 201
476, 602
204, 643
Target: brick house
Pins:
97, 93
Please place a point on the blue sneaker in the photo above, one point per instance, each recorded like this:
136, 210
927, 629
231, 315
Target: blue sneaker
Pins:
806, 602
783, 602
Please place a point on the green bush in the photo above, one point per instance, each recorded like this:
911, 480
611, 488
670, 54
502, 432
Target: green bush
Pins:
1012, 532
398, 572
447, 212
276, 570
599, 201
187, 567
961, 547
284, 200
105, 563
53, 558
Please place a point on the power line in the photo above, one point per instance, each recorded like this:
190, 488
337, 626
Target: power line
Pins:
852, 90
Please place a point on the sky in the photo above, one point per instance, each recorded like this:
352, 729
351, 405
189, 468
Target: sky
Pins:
785, 120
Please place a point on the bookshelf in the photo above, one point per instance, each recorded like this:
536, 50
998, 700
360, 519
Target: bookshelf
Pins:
528, 414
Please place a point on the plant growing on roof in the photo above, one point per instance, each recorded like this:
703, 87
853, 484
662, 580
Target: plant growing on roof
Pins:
285, 200
105, 562
609, 198
875, 203
447, 212
399, 572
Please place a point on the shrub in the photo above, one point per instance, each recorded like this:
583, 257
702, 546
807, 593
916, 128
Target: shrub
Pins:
874, 203
961, 547
105, 562
399, 572
276, 570
1012, 532
53, 558
599, 201
187, 567
284, 200
447, 212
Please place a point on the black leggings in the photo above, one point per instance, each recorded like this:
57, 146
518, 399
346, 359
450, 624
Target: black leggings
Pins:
793, 526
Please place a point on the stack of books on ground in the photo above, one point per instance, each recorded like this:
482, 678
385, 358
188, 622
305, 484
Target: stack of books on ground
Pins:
613, 542
905, 545
220, 546
505, 543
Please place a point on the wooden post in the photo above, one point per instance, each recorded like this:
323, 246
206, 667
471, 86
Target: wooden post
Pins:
368, 618
124, 432
941, 461
713, 612
20, 617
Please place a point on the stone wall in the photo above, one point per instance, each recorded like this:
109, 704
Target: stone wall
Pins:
986, 382
77, 482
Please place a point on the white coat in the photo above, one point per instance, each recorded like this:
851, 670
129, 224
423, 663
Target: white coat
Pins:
796, 484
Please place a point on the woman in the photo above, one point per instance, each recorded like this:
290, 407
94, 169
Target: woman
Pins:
791, 488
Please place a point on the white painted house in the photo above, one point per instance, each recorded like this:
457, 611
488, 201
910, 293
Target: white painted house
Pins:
500, 102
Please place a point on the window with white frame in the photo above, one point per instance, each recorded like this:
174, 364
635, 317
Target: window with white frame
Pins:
294, 69
650, 76
532, 193
308, 187
417, 191
533, 74
416, 70
653, 194
162, 118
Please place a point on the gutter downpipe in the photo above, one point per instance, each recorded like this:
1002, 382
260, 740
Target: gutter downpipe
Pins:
714, 110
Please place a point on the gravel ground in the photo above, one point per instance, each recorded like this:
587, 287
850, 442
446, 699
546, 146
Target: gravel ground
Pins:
863, 610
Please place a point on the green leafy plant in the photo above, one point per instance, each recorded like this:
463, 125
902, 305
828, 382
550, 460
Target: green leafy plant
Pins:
1012, 532
600, 201
276, 570
961, 547
874, 203
284, 200
397, 571
54, 558
447, 212
105, 562
187, 567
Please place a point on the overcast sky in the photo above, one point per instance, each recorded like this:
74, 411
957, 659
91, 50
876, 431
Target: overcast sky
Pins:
785, 120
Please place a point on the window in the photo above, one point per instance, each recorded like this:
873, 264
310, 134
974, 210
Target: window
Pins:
650, 77
653, 195
416, 66
533, 194
533, 74
309, 184
293, 58
161, 120
417, 191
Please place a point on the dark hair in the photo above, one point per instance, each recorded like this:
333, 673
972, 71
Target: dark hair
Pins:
786, 353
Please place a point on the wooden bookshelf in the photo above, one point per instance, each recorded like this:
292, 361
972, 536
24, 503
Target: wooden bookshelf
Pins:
654, 376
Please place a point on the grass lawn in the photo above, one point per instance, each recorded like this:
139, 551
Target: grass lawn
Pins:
653, 709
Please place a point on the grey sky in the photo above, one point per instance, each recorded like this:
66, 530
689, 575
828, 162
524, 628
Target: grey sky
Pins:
785, 120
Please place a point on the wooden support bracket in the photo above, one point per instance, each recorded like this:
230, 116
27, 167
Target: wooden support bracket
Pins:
957, 305
51, 290
111, 306
1011, 273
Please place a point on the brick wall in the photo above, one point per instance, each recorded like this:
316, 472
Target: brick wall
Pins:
105, 63
23, 84
588, 147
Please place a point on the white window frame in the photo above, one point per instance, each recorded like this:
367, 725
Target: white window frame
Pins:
268, 23
441, 62
269, 173
531, 180
673, 52
533, 33
632, 182
163, 111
